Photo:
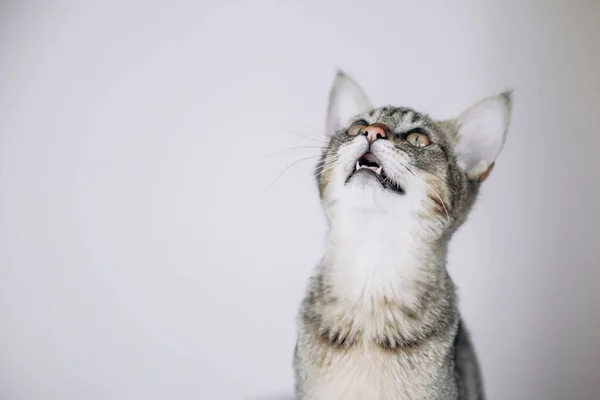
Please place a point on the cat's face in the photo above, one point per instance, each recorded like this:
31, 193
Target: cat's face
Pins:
402, 164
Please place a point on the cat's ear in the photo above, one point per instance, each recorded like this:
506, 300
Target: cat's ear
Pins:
481, 133
346, 100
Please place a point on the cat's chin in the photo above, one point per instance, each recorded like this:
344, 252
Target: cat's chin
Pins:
370, 179
365, 177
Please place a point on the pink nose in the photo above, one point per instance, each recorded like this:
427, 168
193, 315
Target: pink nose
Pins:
376, 131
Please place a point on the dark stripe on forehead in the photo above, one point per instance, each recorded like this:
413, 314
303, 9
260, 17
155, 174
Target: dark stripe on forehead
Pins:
407, 115
415, 117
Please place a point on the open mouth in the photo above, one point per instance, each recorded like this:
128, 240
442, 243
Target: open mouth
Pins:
368, 163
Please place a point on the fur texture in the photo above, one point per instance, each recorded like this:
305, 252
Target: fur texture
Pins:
380, 317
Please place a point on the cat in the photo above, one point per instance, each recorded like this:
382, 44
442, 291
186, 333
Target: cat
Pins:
380, 319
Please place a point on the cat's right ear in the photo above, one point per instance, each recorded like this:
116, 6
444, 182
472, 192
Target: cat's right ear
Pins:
346, 100
480, 134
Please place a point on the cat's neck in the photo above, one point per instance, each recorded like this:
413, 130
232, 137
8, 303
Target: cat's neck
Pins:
372, 255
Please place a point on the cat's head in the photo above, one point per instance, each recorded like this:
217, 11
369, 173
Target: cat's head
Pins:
398, 162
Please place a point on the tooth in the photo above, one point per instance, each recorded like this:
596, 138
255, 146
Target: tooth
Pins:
357, 165
378, 171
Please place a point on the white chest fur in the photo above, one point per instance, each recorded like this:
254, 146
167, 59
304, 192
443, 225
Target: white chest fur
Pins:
372, 254
371, 257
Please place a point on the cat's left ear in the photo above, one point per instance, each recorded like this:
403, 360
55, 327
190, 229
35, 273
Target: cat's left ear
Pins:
347, 99
481, 132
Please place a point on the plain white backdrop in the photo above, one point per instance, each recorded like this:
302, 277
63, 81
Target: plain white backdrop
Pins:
141, 254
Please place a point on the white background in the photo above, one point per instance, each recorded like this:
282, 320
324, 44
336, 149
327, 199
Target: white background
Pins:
141, 256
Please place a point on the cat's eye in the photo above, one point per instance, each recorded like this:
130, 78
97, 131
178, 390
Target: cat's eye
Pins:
357, 127
418, 139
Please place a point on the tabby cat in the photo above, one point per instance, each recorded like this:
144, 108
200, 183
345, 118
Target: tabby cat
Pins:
380, 317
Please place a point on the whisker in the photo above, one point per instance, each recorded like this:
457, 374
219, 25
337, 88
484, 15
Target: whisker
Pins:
387, 178
289, 166
294, 148
315, 129
328, 166
330, 162
430, 188
431, 173
409, 181
424, 170
316, 139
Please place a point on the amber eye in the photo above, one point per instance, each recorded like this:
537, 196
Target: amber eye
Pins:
356, 128
418, 139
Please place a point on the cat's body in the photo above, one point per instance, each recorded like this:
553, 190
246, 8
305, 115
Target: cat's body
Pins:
380, 320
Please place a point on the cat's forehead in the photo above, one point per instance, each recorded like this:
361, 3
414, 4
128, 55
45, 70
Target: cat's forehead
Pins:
398, 118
